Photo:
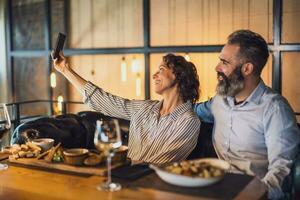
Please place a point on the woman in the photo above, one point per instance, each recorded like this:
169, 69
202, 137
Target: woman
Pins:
160, 131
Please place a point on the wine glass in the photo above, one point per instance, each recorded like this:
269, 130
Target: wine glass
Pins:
5, 126
107, 139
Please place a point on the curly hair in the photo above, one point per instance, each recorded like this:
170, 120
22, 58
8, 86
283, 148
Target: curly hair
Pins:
185, 75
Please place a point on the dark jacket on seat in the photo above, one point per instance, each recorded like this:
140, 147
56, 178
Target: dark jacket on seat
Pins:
72, 130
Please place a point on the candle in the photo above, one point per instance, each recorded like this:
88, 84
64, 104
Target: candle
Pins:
60, 100
123, 70
53, 79
138, 85
135, 66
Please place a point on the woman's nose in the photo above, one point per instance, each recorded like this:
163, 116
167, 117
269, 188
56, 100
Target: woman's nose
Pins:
154, 75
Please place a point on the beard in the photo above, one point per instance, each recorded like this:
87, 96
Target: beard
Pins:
231, 85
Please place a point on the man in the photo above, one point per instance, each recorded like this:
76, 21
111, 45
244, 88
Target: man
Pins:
255, 129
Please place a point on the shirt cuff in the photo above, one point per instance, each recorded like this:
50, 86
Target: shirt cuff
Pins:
88, 91
274, 189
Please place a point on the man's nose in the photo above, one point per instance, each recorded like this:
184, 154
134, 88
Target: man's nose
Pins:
217, 68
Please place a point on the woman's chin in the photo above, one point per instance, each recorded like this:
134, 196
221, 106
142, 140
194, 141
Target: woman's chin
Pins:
157, 91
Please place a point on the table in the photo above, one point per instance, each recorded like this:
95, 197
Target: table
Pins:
26, 183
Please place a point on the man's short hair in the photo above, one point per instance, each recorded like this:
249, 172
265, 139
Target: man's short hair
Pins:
253, 48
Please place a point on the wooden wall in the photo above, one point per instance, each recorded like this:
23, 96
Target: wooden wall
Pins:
290, 79
100, 24
104, 71
290, 66
290, 19
198, 22
3, 73
106, 23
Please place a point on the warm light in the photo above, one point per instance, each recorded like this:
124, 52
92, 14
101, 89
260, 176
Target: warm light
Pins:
135, 66
53, 79
187, 57
123, 70
138, 85
60, 100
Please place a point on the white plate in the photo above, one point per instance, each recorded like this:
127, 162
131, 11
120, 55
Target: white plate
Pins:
188, 181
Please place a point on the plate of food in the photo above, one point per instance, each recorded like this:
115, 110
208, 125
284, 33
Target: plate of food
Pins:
193, 173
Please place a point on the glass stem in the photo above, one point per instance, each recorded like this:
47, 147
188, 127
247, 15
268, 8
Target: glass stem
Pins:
108, 169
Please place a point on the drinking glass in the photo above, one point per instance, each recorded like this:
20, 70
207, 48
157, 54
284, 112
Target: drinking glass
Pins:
5, 125
107, 140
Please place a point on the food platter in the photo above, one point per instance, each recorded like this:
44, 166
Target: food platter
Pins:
100, 169
193, 179
47, 161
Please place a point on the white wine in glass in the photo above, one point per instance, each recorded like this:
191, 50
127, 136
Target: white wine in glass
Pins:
5, 125
107, 140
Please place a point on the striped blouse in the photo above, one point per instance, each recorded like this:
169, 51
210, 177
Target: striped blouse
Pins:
152, 138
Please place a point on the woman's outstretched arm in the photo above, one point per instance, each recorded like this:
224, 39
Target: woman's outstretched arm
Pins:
61, 65
95, 97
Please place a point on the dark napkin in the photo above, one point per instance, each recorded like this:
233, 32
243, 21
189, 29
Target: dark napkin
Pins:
131, 172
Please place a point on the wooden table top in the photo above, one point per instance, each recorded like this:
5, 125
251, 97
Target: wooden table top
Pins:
24, 183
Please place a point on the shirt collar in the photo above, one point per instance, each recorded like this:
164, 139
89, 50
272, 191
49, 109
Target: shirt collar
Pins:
175, 113
180, 110
156, 107
254, 97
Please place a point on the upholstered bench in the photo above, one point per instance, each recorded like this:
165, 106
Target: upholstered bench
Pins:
72, 130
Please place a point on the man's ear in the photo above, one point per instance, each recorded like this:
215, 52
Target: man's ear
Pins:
248, 69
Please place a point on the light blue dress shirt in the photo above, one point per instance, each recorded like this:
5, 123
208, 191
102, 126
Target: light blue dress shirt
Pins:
257, 137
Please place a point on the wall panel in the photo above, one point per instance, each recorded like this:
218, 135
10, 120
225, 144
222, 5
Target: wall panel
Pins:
203, 22
3, 61
290, 79
105, 23
31, 83
290, 21
27, 29
105, 71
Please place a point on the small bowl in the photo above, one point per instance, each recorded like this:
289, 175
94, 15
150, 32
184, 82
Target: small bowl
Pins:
75, 156
44, 143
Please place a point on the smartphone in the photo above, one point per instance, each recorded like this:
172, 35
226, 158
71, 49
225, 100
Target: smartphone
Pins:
60, 41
